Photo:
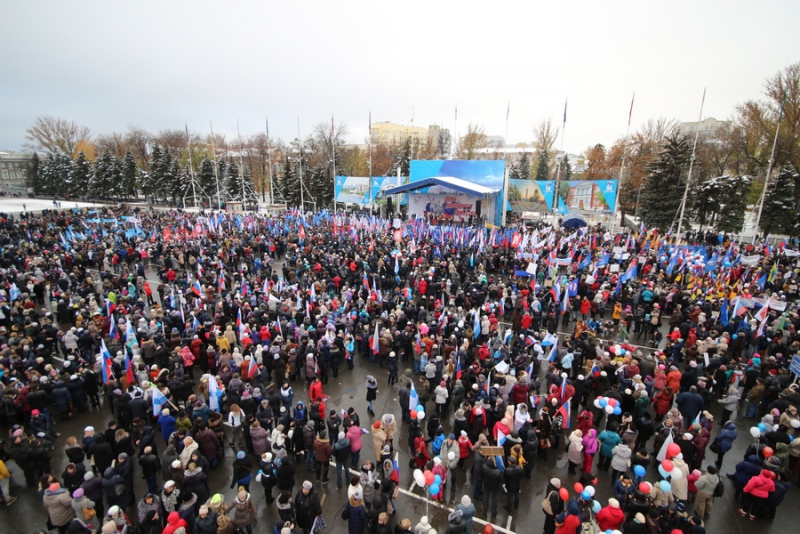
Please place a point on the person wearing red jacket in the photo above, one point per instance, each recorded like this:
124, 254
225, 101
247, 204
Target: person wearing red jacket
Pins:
756, 493
611, 516
174, 522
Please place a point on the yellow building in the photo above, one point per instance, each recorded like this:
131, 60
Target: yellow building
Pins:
389, 133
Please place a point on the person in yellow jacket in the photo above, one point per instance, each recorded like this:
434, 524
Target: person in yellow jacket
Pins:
5, 479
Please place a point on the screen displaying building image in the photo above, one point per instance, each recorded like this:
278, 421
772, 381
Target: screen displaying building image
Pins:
585, 195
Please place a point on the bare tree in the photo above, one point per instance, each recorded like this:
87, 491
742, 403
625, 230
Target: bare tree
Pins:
138, 139
443, 143
474, 139
56, 136
114, 143
545, 135
174, 139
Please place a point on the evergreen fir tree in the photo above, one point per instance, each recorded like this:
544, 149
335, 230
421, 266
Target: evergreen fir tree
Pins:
289, 184
731, 215
80, 175
117, 189
151, 180
567, 172
206, 182
405, 159
222, 175
58, 181
664, 184
172, 181
130, 173
543, 168
250, 197
233, 185
524, 167
101, 181
33, 179
780, 210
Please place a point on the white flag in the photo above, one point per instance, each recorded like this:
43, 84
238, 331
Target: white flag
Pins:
662, 453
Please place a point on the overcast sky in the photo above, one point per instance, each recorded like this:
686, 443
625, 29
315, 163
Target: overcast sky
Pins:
160, 64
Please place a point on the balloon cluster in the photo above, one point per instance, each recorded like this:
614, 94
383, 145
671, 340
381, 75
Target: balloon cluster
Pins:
667, 470
418, 413
609, 404
586, 494
428, 479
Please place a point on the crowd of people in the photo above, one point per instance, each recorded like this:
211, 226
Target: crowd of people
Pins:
194, 331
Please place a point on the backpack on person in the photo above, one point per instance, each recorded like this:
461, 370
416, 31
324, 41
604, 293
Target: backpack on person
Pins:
719, 489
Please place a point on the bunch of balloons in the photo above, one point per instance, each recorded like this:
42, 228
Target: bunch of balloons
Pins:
428, 479
586, 494
418, 413
609, 404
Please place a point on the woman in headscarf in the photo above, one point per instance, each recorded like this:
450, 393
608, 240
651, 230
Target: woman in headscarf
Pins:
521, 416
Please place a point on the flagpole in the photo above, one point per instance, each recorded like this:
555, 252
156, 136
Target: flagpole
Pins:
333, 157
269, 162
505, 140
191, 168
691, 164
216, 173
622, 167
454, 152
558, 169
300, 165
241, 165
769, 170
369, 182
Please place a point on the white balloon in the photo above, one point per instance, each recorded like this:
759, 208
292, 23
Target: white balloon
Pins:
795, 423
451, 455
597, 403
609, 409
564, 375
676, 474
419, 477
754, 431
775, 427
589, 490
420, 416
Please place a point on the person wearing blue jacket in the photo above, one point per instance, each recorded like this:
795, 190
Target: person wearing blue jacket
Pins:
608, 439
167, 424
775, 498
724, 442
744, 472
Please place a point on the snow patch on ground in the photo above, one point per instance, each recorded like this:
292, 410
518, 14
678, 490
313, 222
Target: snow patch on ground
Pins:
15, 205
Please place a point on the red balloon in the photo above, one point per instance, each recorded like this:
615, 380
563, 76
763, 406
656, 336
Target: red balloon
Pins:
667, 465
644, 487
612, 401
578, 487
428, 477
767, 452
564, 494
414, 414
673, 450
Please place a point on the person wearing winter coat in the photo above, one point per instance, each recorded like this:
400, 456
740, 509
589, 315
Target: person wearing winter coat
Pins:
79, 502
245, 511
357, 514
62, 399
206, 522
175, 522
455, 522
608, 439
378, 440
115, 488
745, 470
440, 396
189, 446
307, 506
724, 442
610, 517
58, 504
208, 444
149, 502
241, 471
341, 453
623, 491
353, 435
705, 486
729, 404
619, 463
756, 493
259, 438
575, 450
322, 456
680, 487
590, 447
196, 482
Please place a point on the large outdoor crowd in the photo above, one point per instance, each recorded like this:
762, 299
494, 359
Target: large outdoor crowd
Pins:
194, 331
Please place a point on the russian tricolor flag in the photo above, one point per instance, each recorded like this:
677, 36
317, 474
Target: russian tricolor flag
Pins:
395, 476
501, 438
376, 344
196, 289
566, 411
106, 367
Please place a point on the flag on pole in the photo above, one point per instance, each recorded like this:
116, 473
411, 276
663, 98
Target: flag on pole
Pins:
159, 399
196, 288
221, 281
106, 369
501, 438
395, 476
413, 398
214, 393
376, 344
662, 452
563, 389
553, 353
566, 412
476, 327
130, 336
723, 313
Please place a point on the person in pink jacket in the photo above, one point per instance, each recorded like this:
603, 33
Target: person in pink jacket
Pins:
354, 435
756, 493
590, 446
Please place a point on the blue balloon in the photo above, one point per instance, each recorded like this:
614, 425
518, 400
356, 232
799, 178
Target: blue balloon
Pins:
434, 489
596, 507
664, 474
609, 531
665, 486
791, 438
726, 264
639, 470
617, 410
622, 352
420, 408
437, 479
603, 402
762, 427
585, 495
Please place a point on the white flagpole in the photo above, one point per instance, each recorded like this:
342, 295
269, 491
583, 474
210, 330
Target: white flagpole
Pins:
333, 158
691, 164
300, 165
216, 174
191, 168
622, 167
269, 162
241, 166
769, 170
369, 182
558, 169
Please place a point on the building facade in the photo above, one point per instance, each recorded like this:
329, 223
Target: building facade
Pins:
14, 172
706, 127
